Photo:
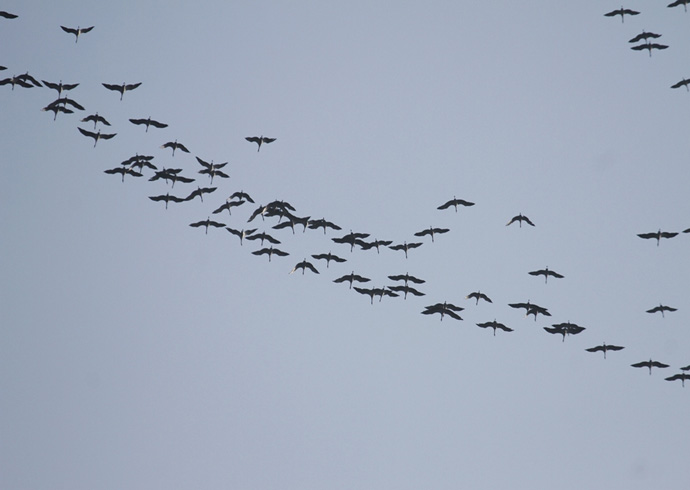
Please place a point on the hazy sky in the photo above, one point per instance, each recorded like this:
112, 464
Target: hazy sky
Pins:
138, 352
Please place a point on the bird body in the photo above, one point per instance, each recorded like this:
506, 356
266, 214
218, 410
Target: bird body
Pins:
405, 246
680, 376
263, 236
649, 47
241, 234
604, 348
96, 119
121, 88
564, 329
455, 203
328, 257
658, 235
227, 205
407, 278
684, 3
644, 35
175, 146
259, 140
443, 309
305, 264
322, 223
494, 325
59, 87
520, 218
350, 238
650, 364
77, 32
148, 122
96, 136
661, 308
123, 171
684, 82
477, 295
200, 191
206, 223
405, 289
351, 277
622, 12
270, 251
546, 273
167, 198
432, 231
212, 169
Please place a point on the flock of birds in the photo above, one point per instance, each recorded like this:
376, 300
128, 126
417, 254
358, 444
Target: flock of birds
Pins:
284, 213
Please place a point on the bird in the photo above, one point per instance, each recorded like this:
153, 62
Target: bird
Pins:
206, 223
649, 47
322, 223
407, 278
686, 368
292, 221
227, 205
59, 87
212, 169
175, 146
661, 308
16, 80
494, 324
644, 35
96, 119
167, 198
432, 231
684, 3
140, 161
29, 79
200, 191
443, 309
242, 196
270, 252
259, 140
455, 203
351, 277
536, 310
328, 257
263, 236
405, 246
148, 122
649, 364
684, 82
96, 136
305, 264
604, 348
478, 295
171, 174
681, 376
375, 244
658, 235
241, 234
7, 15
406, 288
123, 171
57, 108
520, 218
121, 88
350, 238
64, 101
381, 292
546, 273
622, 12
77, 32
564, 329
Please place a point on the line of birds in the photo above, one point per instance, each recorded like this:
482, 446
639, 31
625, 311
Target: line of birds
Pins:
135, 166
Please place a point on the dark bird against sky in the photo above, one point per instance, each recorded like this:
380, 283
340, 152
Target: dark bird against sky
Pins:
125, 87
77, 32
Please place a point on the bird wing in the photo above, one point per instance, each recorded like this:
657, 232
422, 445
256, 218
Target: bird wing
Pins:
269, 140
555, 274
86, 29
668, 234
130, 86
423, 232
452, 314
614, 347
138, 121
595, 349
68, 29
108, 136
647, 235
641, 364
182, 147
659, 364
111, 86
204, 163
253, 139
87, 133
157, 124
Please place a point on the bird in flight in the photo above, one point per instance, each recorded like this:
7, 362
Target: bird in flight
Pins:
351, 277
263, 236
649, 47
649, 364
622, 12
123, 171
432, 231
57, 108
305, 264
375, 244
684, 3
328, 257
564, 329
680, 376
175, 146
167, 198
661, 308
229, 203
546, 273
16, 80
241, 234
212, 169
77, 32
200, 191
644, 35
477, 295
96, 136
443, 309
96, 119
658, 235
148, 122
59, 87
407, 278
259, 140
206, 223
520, 218
350, 238
405, 246
684, 82
270, 252
494, 324
405, 289
7, 15
455, 203
121, 88
605, 348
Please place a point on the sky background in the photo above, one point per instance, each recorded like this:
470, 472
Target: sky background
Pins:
138, 352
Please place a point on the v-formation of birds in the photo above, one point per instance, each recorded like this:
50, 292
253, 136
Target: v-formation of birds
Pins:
134, 167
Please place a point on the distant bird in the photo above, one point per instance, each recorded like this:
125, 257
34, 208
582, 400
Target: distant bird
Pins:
546, 273
443, 309
57, 108
305, 264
270, 252
175, 146
407, 278
65, 101
686, 231
292, 221
564, 329
649, 47
478, 295
212, 169
96, 119
406, 288
206, 223
520, 218
684, 3
381, 292
351, 277
167, 198
604, 348
686, 368
259, 140
140, 161
77, 32
123, 171
322, 223
121, 88
241, 234
148, 122
241, 195
649, 364
455, 203
375, 244
658, 235
200, 191
59, 87
263, 236
227, 205
328, 257
171, 174
350, 238
7, 15
680, 376
15, 80
661, 308
531, 309
29, 79
684, 82
96, 136
622, 12
494, 324
366, 291
432, 231
405, 246
260, 211
644, 35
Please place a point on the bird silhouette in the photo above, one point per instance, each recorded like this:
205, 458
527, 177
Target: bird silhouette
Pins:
60, 87
680, 376
55, 108
455, 203
148, 122
175, 146
270, 251
477, 295
29, 79
564, 329
443, 309
351, 277
604, 348
375, 244
206, 223
65, 101
322, 223
432, 231
305, 264
172, 175
292, 221
227, 205
125, 87
328, 257
212, 169
351, 238
140, 161
7, 15
494, 324
546, 273
622, 12
123, 171
167, 198
259, 140
15, 80
96, 136
241, 234
684, 82
520, 218
380, 292
658, 235
242, 196
200, 191
96, 119
407, 278
649, 364
644, 35
684, 3
649, 47
77, 32
405, 246
405, 289
263, 236
661, 308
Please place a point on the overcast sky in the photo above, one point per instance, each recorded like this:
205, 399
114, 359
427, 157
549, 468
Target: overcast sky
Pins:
139, 352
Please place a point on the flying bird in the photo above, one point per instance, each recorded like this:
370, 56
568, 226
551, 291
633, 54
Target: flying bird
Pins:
77, 32
644, 35
546, 273
680, 376
684, 82
478, 295
96, 136
443, 309
171, 174
241, 234
455, 203
351, 277
407, 278
15, 80
96, 119
658, 235
322, 223
175, 146
200, 191
537, 310
140, 161
405, 246
520, 218
229, 203
212, 169
59, 87
381, 292
65, 101
432, 231
350, 238
328, 257
305, 264
604, 348
206, 223
148, 122
375, 244
123, 171
55, 108
661, 308
121, 88
649, 47
270, 252
622, 12
649, 364
564, 329
167, 198
494, 324
259, 140
263, 236
684, 3
242, 196
406, 288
